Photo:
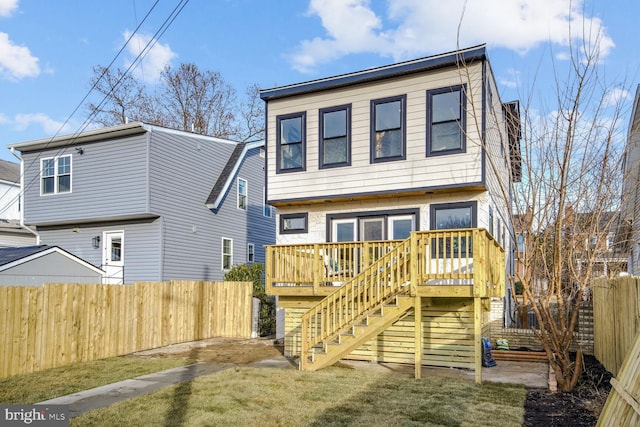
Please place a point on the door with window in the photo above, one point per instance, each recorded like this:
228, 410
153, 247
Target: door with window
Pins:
113, 257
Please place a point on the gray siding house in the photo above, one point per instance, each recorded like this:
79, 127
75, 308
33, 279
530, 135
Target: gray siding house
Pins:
146, 203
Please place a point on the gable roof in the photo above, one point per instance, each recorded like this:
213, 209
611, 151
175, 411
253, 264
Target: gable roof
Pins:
11, 257
229, 172
9, 171
448, 59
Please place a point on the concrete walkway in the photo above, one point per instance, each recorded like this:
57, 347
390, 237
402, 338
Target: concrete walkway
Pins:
531, 374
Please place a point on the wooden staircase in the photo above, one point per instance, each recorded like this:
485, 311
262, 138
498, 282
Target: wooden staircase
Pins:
360, 333
358, 311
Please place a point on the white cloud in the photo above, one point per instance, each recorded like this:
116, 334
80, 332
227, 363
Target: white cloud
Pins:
512, 78
7, 7
615, 96
156, 56
16, 62
48, 125
413, 28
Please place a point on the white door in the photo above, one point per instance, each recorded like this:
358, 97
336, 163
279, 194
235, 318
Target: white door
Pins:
113, 257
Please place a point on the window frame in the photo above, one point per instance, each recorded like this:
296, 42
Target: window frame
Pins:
267, 209
321, 113
303, 142
403, 128
56, 175
301, 215
473, 204
242, 199
251, 253
462, 122
229, 255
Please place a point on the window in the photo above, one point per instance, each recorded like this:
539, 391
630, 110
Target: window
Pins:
451, 216
520, 243
372, 228
291, 142
242, 194
388, 129
335, 136
267, 210
446, 123
250, 252
400, 227
363, 226
55, 175
293, 223
227, 253
490, 220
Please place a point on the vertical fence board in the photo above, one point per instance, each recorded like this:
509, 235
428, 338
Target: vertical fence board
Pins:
57, 324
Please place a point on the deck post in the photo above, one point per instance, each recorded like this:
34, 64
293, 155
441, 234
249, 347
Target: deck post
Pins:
417, 310
477, 332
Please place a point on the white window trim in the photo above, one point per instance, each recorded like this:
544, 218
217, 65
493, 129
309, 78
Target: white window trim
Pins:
392, 218
251, 252
223, 254
246, 195
56, 175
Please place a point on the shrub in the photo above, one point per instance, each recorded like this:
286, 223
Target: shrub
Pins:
255, 273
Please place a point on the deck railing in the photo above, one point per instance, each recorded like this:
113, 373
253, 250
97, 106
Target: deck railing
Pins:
382, 279
460, 257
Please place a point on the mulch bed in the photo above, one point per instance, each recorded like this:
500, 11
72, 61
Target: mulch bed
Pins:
580, 407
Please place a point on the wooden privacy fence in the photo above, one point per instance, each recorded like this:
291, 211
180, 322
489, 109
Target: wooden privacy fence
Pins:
616, 319
623, 403
57, 324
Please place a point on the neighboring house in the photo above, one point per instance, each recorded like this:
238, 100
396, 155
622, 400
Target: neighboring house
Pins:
146, 203
391, 180
630, 206
11, 232
37, 265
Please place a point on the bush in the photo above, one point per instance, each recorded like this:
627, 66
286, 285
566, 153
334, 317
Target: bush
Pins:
255, 273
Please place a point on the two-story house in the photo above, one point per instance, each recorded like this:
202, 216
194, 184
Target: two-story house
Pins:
630, 206
146, 203
12, 233
392, 186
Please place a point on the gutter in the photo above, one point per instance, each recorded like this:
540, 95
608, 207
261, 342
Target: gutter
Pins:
22, 224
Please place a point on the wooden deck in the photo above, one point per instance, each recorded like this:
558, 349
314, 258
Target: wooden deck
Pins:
357, 290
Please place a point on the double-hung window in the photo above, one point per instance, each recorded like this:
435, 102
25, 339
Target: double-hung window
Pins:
242, 194
290, 154
335, 136
55, 175
227, 253
388, 118
446, 123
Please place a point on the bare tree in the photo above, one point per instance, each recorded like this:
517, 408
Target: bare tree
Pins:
123, 98
199, 101
251, 114
566, 206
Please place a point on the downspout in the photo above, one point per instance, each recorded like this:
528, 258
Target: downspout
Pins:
22, 224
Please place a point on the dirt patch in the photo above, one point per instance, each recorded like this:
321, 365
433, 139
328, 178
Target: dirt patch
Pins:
223, 350
579, 408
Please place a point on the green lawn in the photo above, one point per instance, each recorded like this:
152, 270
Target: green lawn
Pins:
332, 396
56, 382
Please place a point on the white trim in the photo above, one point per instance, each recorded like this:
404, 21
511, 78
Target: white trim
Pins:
222, 253
56, 174
248, 146
246, 195
48, 251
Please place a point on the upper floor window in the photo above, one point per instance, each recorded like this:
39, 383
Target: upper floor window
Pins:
388, 117
335, 136
242, 194
290, 154
55, 175
446, 123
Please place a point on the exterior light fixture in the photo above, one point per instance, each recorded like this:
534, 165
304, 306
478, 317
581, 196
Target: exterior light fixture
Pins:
96, 242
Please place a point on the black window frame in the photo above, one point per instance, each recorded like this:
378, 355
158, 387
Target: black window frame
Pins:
303, 136
462, 124
403, 129
459, 246
347, 109
299, 215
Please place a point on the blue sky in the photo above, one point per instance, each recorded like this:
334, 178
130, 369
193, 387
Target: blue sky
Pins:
48, 48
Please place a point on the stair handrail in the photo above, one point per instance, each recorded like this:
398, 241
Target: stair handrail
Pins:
388, 276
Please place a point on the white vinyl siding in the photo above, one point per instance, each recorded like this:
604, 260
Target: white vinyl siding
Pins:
417, 171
